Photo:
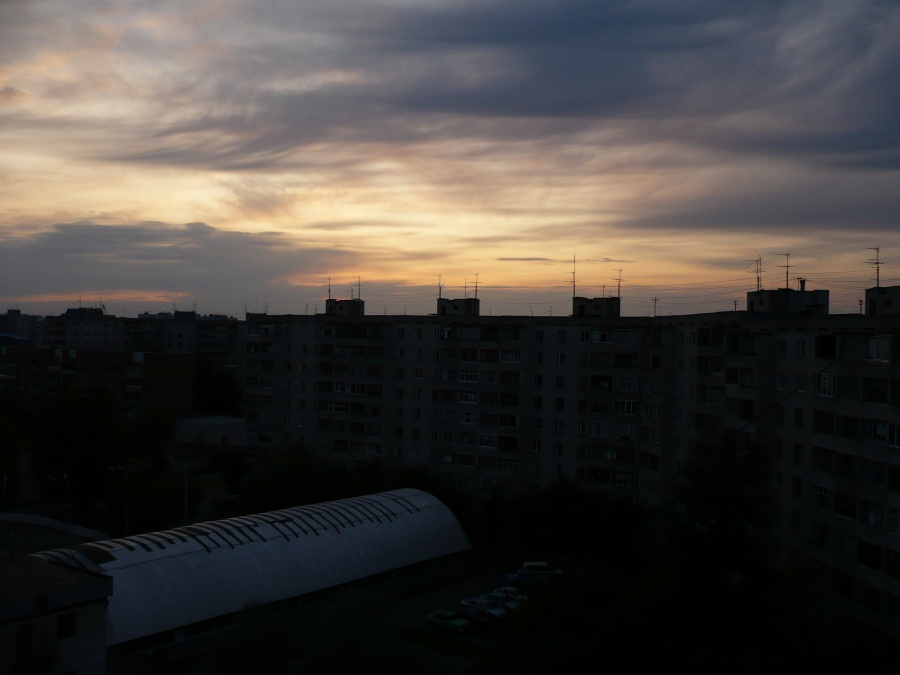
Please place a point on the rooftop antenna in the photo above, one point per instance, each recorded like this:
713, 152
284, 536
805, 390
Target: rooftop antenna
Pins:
758, 262
329, 288
655, 300
359, 288
440, 289
619, 283
476, 286
465, 287
877, 262
787, 269
573, 275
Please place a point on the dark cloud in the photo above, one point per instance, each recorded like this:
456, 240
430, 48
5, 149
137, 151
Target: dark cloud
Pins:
193, 259
782, 78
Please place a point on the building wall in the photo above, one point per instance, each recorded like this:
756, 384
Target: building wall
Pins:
52, 619
613, 405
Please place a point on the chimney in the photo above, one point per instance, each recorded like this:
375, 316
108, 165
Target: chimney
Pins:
802, 284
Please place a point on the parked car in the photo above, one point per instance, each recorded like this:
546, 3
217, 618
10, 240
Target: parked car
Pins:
504, 601
532, 570
512, 592
448, 620
484, 607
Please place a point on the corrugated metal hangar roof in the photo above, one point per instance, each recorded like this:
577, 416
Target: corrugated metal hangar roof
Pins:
164, 580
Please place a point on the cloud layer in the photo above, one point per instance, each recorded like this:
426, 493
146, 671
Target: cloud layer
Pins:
399, 141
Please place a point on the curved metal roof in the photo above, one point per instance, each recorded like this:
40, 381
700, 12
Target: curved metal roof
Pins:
163, 580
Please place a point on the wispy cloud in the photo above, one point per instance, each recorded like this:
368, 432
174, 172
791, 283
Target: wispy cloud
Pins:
409, 139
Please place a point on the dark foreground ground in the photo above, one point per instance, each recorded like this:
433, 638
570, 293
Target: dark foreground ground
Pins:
586, 619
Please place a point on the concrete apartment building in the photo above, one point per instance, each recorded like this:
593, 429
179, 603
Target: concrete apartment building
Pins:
488, 402
613, 404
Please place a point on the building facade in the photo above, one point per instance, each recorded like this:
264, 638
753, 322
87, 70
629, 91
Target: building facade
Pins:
613, 404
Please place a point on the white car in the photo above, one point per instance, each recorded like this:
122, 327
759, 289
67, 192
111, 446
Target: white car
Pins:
485, 607
538, 568
511, 592
503, 600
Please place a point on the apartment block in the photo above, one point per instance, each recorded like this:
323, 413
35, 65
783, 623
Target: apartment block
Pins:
614, 404
487, 402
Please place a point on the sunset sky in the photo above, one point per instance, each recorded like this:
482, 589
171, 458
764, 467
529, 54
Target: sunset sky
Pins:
226, 154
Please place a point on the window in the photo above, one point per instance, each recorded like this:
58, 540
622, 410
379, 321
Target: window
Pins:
626, 407
824, 498
781, 348
560, 359
560, 381
801, 349
825, 386
538, 358
878, 348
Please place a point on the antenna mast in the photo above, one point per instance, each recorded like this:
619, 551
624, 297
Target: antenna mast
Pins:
877, 263
573, 275
758, 262
359, 288
619, 283
787, 269
476, 286
329, 288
